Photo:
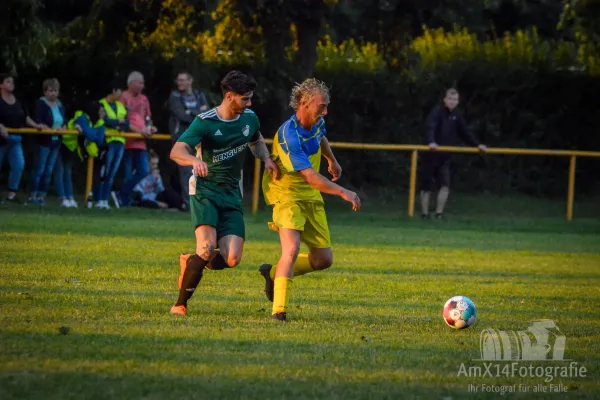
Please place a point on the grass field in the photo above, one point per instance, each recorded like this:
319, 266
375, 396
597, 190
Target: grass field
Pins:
370, 327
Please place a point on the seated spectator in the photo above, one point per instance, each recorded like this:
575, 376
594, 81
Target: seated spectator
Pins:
12, 115
152, 192
50, 114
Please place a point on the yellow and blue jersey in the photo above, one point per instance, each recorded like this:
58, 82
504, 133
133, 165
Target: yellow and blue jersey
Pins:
294, 149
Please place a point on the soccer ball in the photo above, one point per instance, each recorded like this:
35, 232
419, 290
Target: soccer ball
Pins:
459, 312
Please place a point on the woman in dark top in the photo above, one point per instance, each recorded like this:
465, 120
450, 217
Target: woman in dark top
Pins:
50, 113
12, 115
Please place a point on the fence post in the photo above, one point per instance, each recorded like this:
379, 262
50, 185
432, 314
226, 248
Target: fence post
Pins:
89, 178
571, 188
412, 184
256, 185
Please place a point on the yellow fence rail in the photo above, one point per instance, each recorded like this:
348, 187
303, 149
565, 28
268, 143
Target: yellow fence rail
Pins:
414, 149
90, 163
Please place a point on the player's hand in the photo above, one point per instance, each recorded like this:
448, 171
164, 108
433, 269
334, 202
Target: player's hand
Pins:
3, 131
272, 168
200, 168
335, 170
351, 197
482, 147
433, 145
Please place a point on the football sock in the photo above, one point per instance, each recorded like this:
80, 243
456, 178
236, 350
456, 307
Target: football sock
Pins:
191, 279
301, 266
283, 286
217, 263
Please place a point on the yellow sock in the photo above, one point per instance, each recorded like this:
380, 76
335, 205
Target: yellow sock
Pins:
281, 294
301, 266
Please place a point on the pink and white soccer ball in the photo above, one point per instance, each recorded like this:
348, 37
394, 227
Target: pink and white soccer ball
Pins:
459, 312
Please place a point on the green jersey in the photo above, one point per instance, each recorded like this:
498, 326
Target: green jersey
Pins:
222, 144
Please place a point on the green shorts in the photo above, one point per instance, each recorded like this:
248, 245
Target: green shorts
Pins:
226, 220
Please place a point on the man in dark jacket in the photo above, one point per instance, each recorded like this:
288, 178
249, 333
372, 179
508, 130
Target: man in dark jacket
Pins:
445, 125
185, 104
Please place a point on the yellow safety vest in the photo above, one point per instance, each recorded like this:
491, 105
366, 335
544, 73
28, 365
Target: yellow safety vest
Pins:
110, 113
72, 142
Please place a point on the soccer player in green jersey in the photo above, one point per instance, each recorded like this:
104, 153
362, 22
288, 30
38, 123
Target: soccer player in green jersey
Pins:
220, 137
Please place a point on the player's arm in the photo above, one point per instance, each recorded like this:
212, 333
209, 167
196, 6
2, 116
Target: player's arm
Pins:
334, 167
324, 185
259, 149
181, 151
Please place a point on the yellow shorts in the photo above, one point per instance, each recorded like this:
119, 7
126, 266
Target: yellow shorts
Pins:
305, 216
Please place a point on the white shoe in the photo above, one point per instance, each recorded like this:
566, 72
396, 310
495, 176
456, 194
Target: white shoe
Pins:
73, 204
66, 203
99, 204
105, 205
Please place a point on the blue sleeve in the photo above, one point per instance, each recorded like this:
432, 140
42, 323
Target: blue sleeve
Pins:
160, 187
140, 186
83, 122
89, 133
111, 123
297, 157
124, 127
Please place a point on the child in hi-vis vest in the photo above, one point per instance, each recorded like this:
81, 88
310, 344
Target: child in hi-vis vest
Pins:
91, 139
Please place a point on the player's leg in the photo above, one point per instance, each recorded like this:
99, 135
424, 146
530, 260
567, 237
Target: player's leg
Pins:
285, 216
290, 245
316, 236
443, 177
205, 219
231, 233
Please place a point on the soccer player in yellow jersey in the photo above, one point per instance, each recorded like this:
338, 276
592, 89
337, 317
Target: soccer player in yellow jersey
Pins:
298, 211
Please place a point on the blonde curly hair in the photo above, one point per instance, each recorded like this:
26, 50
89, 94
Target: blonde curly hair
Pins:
305, 91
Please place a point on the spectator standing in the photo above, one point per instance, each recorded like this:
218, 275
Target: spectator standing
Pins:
12, 115
445, 125
140, 121
50, 114
185, 104
115, 121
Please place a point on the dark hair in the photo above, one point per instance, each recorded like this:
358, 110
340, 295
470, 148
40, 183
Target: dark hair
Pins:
4, 76
238, 83
91, 109
115, 84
